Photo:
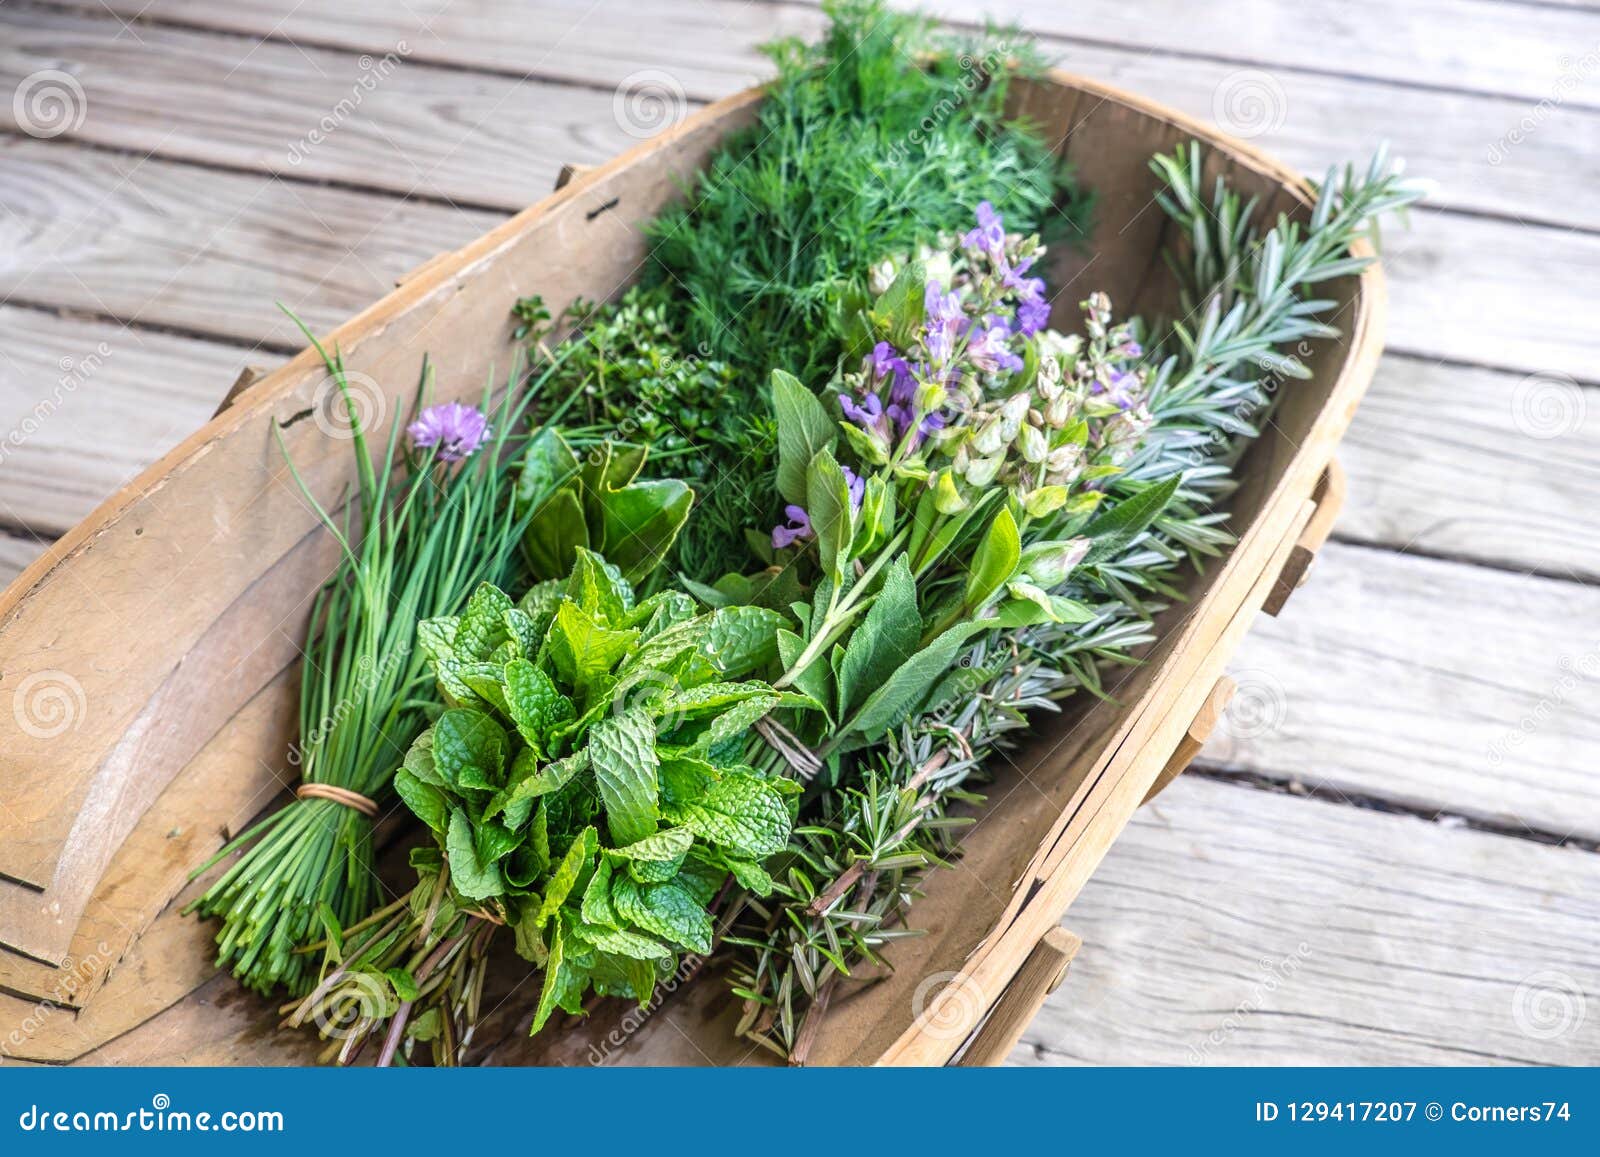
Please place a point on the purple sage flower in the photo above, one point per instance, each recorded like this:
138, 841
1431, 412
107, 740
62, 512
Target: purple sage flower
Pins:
989, 352
455, 429
799, 528
857, 486
1032, 316
990, 235
867, 413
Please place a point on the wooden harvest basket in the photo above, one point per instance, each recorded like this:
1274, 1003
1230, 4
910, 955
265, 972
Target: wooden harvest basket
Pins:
172, 617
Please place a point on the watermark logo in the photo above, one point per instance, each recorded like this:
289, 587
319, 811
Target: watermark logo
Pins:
360, 405
49, 103
1548, 1004
648, 102
948, 1005
48, 703
1249, 103
1548, 405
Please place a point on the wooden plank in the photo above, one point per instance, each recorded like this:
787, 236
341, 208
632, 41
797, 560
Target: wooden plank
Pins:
16, 552
365, 119
1462, 140
201, 251
1431, 684
1476, 464
1476, 45
708, 49
85, 404
1233, 926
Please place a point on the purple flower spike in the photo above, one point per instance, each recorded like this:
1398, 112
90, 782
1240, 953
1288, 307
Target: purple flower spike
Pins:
455, 429
990, 235
1032, 316
799, 528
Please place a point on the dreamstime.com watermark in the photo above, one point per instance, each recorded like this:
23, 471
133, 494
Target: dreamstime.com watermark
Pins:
75, 372
976, 73
74, 974
636, 1018
1575, 670
373, 73
158, 1117
1573, 73
1274, 974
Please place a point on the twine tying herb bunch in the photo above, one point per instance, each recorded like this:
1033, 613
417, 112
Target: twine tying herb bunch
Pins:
910, 514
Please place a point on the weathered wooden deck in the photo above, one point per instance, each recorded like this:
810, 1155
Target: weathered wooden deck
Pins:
1389, 853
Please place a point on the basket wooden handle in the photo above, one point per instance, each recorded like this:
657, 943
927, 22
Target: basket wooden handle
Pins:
570, 171
1040, 975
1195, 738
1328, 494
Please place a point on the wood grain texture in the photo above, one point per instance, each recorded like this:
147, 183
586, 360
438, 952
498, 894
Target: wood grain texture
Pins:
86, 404
1436, 685
16, 552
360, 118
1231, 926
1477, 45
708, 49
173, 245
1312, 119
1476, 464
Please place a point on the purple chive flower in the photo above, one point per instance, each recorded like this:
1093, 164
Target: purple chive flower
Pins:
455, 429
799, 528
990, 235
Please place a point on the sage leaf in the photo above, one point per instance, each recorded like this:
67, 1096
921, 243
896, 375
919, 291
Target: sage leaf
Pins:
804, 430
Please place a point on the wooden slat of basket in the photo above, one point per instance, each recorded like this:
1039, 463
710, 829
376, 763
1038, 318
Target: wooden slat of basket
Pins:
1040, 975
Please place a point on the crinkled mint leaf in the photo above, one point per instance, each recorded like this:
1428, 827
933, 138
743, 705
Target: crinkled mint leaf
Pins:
751, 876
582, 649
482, 624
664, 909
534, 703
600, 590
622, 942
741, 812
567, 873
597, 906
670, 844
470, 749
623, 753
426, 801
471, 876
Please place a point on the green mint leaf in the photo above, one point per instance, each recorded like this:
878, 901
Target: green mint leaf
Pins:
567, 873
623, 753
533, 702
582, 649
470, 749
471, 876
482, 626
598, 587
669, 844
622, 942
741, 812
426, 802
741, 640
437, 639
664, 909
751, 876
597, 906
